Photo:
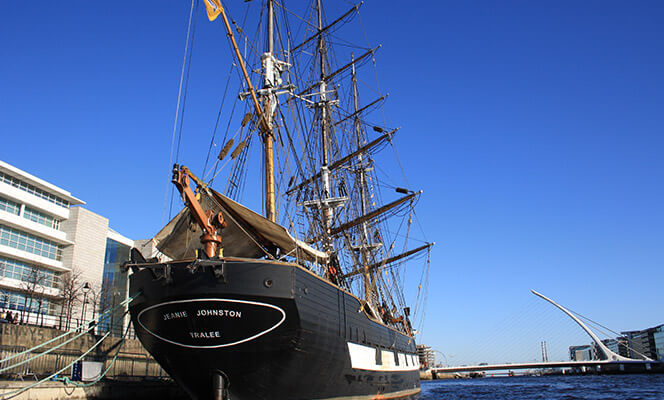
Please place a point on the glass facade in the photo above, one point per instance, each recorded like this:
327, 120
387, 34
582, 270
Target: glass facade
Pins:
10, 300
32, 244
19, 184
9, 206
29, 213
40, 218
659, 342
17, 270
114, 286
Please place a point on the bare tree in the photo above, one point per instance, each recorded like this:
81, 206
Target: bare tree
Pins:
33, 287
70, 296
96, 300
106, 304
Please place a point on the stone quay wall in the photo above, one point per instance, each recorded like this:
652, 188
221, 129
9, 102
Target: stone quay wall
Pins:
133, 360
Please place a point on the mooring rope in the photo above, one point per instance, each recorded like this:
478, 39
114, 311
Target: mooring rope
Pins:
12, 394
73, 330
19, 391
66, 379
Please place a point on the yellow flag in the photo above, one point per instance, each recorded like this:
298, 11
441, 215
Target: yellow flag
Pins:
213, 8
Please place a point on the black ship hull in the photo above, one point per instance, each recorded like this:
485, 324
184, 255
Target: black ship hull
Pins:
267, 330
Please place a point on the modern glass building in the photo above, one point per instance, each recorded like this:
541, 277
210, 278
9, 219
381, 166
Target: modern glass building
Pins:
115, 287
658, 336
52, 252
618, 345
644, 343
31, 244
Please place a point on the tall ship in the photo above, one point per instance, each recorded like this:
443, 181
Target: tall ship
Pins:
306, 298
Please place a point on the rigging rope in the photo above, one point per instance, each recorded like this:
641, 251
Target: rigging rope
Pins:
302, 140
216, 125
184, 103
177, 113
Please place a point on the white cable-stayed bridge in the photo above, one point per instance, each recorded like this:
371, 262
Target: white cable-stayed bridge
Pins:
607, 361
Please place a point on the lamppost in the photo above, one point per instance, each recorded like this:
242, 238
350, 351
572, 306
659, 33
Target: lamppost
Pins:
86, 289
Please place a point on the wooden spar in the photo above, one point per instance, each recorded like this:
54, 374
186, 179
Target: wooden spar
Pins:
367, 216
356, 7
360, 110
346, 158
268, 136
257, 106
388, 261
345, 67
363, 149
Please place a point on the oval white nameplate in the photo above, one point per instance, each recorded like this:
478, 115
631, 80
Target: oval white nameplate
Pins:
210, 323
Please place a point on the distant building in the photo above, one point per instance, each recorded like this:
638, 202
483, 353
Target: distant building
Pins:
45, 240
642, 343
617, 345
426, 355
658, 335
581, 353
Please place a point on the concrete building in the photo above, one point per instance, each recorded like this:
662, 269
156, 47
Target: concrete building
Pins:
426, 355
581, 353
57, 259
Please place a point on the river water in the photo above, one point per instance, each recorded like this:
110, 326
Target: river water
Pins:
605, 387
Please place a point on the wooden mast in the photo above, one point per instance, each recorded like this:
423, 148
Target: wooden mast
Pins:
361, 171
252, 92
264, 113
325, 172
268, 136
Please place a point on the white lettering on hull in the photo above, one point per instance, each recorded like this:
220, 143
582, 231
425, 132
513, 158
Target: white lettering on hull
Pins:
219, 313
204, 335
175, 315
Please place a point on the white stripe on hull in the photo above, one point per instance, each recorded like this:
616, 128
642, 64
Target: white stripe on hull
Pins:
366, 358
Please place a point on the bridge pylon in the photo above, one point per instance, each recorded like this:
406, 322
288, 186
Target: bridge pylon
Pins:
608, 353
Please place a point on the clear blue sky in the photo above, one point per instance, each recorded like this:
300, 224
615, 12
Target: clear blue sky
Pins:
535, 129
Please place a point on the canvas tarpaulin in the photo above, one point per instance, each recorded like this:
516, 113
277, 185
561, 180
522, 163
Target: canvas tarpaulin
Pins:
247, 234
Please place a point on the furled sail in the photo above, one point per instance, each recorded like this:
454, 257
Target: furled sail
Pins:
247, 234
